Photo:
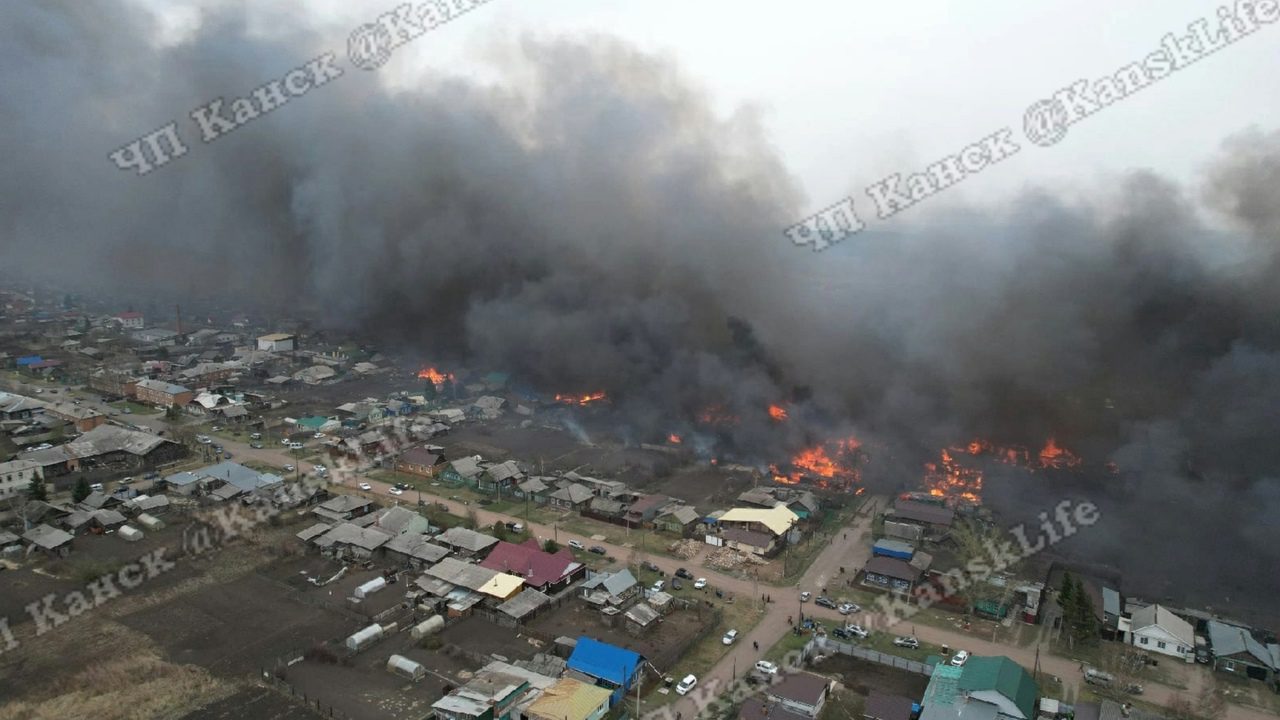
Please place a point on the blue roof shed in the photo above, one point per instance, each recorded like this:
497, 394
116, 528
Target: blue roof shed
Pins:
613, 665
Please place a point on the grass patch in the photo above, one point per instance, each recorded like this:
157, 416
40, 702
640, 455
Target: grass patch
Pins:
789, 643
135, 408
883, 642
708, 650
798, 559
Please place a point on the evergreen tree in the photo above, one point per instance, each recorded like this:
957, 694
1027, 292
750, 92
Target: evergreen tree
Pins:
1066, 594
429, 392
1085, 621
37, 491
81, 490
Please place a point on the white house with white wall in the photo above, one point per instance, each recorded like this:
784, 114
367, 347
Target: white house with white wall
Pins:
16, 475
1157, 629
276, 342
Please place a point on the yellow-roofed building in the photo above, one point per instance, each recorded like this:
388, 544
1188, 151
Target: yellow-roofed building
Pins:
570, 699
502, 586
777, 520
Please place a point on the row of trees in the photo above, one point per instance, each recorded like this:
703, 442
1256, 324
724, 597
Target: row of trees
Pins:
1079, 623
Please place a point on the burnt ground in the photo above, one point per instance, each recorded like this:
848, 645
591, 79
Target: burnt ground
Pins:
258, 703
703, 486
238, 627
861, 677
678, 474
662, 645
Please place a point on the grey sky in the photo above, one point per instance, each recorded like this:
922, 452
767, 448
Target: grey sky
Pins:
851, 92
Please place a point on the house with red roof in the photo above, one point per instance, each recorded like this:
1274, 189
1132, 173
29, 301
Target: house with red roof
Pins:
542, 571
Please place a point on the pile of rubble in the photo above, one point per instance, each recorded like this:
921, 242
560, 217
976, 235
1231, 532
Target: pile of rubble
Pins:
728, 559
685, 549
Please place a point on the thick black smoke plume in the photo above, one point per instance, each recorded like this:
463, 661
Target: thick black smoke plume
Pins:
589, 223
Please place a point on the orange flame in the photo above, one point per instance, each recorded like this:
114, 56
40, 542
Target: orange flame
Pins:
580, 399
777, 412
826, 465
1053, 456
674, 439
435, 376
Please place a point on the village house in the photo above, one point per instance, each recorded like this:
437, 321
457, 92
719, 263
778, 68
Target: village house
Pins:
934, 521
801, 693
343, 507
604, 665
350, 541
985, 688
536, 489
680, 520
276, 342
462, 471
130, 320
466, 543
50, 540
500, 478
1157, 629
1238, 652
543, 571
106, 448
569, 699
162, 394
890, 573
610, 589
16, 476
570, 495
82, 418
758, 531
415, 550
642, 512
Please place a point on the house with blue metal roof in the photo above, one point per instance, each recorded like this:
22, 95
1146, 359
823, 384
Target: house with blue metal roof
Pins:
607, 666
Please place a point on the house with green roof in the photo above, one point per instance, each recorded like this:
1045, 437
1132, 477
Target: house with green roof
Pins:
985, 688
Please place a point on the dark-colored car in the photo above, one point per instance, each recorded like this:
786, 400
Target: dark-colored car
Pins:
682, 573
650, 567
825, 602
675, 584
597, 550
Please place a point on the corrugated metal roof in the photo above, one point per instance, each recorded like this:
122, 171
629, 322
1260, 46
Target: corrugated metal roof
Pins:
602, 660
778, 519
569, 699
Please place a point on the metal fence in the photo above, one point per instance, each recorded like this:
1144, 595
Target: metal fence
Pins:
870, 655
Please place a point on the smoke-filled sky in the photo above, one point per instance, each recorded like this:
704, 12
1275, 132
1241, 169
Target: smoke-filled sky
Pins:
585, 210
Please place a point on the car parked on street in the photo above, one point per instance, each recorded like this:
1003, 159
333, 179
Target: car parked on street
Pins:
700, 583
907, 641
686, 685
576, 545
255, 445
395, 491
598, 549
848, 608
682, 573
288, 468
804, 596
826, 602
365, 486
729, 637
766, 667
